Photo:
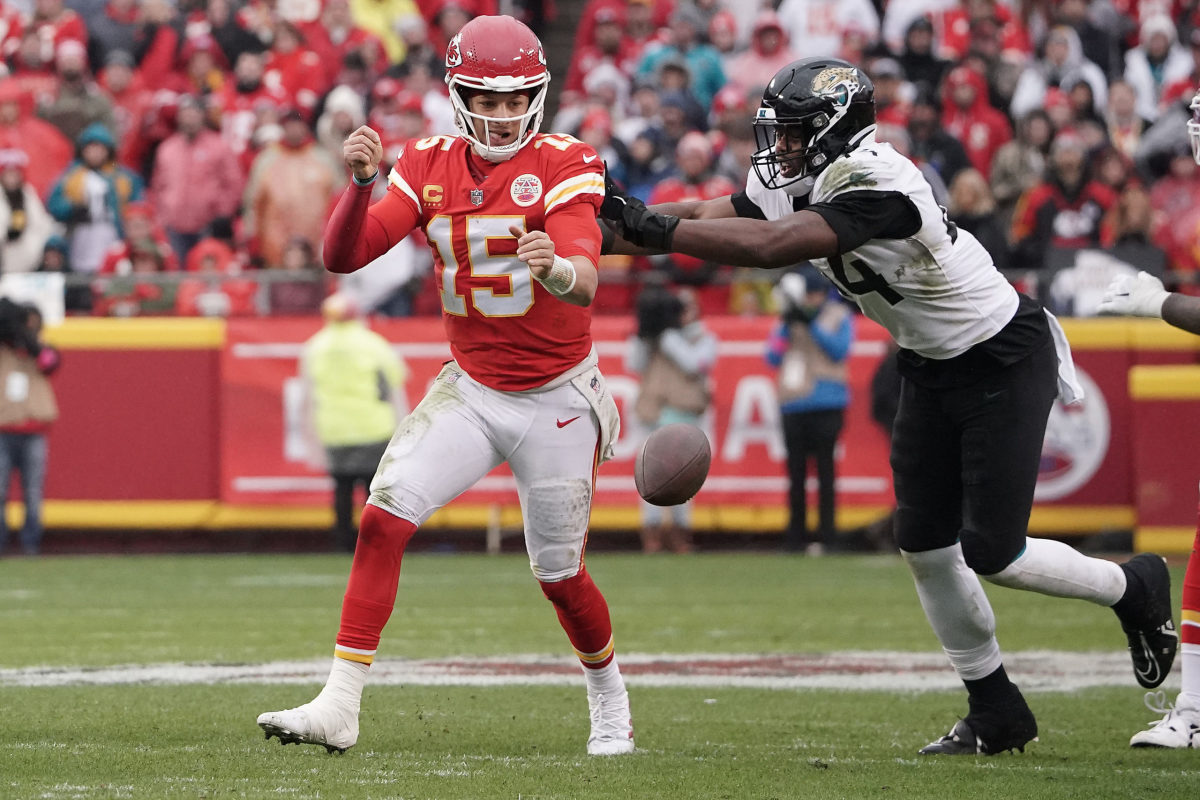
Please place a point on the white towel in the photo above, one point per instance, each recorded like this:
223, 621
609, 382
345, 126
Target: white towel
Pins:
1069, 389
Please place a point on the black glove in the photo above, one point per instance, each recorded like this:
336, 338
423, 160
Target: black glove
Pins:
634, 222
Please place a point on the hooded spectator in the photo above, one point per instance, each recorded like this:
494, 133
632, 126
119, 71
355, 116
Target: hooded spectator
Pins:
769, 52
344, 112
24, 223
967, 116
21, 130
1158, 61
1062, 63
91, 196
703, 61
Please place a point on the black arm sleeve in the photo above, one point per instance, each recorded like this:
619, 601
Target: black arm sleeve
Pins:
745, 207
857, 217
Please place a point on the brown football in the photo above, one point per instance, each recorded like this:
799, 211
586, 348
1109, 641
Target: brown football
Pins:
672, 464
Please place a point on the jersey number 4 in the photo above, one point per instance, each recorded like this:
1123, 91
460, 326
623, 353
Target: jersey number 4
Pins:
868, 281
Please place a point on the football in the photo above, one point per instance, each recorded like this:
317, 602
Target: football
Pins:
672, 465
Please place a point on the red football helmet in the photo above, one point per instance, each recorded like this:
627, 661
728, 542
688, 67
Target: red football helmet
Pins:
496, 54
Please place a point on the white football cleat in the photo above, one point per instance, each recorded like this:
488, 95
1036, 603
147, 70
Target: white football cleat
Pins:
325, 724
1179, 729
612, 725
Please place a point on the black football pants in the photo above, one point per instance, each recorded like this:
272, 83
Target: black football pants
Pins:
965, 461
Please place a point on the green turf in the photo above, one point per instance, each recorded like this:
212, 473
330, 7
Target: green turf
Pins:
429, 742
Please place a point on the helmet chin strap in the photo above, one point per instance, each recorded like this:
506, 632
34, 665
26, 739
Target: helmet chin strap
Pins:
801, 187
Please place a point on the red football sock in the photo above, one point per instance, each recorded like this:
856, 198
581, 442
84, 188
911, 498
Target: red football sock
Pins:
1189, 629
371, 590
583, 614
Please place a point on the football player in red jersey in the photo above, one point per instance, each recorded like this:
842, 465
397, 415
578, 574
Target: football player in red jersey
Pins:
510, 216
1145, 296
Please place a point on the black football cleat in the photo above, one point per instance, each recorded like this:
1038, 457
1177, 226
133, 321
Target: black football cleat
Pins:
1145, 615
988, 731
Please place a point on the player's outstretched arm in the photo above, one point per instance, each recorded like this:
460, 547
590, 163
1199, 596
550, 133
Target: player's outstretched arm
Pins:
616, 200
1145, 296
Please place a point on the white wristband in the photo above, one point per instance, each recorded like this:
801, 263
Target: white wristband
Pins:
561, 279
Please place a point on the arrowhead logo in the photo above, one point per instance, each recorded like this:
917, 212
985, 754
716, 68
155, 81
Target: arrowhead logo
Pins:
562, 424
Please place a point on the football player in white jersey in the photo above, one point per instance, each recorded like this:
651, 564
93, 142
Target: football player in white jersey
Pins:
981, 368
1145, 296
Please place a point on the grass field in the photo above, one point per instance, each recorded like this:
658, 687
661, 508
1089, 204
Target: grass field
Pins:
140, 677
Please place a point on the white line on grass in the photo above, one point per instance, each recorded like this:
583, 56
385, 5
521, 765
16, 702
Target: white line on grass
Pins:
1039, 670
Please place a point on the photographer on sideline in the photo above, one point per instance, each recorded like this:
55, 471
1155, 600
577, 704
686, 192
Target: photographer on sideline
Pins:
27, 410
673, 352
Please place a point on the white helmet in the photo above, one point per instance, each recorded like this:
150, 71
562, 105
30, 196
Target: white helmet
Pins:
1193, 128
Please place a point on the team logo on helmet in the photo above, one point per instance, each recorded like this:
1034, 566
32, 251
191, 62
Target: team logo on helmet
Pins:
839, 84
526, 189
453, 53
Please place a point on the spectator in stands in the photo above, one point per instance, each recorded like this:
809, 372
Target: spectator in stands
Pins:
201, 69
1130, 223
1062, 213
414, 34
296, 68
967, 117
609, 45
289, 192
131, 100
79, 101
301, 291
336, 35
449, 16
27, 411
596, 129
1160, 145
144, 237
703, 61
817, 26
1114, 169
418, 77
214, 285
344, 111
1155, 63
90, 198
1082, 99
113, 28
973, 209
353, 399
893, 94
769, 52
930, 143
243, 103
1063, 60
648, 163
1098, 43
216, 18
1019, 165
397, 115
385, 19
673, 353
52, 23
77, 298
1175, 199
135, 293
723, 36
1122, 121
918, 58
695, 181
730, 111
196, 180
24, 222
990, 26
810, 349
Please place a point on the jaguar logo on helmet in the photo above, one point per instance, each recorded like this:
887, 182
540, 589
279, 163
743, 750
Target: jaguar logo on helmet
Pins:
839, 84
454, 54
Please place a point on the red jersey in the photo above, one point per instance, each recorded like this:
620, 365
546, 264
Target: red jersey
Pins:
504, 328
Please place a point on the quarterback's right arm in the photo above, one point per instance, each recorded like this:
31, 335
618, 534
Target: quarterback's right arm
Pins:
357, 232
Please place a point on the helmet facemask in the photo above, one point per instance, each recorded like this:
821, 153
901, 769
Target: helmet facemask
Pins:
1193, 128
804, 156
530, 122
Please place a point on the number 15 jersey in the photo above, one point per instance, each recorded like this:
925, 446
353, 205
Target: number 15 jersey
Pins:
504, 328
909, 268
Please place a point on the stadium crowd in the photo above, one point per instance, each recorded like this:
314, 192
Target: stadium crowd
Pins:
182, 158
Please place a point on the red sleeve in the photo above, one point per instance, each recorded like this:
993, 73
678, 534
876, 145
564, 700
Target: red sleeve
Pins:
574, 231
358, 233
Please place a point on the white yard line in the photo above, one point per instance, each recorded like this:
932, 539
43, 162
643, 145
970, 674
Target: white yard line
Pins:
874, 670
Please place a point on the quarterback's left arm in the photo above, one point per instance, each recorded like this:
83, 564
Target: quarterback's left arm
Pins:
563, 257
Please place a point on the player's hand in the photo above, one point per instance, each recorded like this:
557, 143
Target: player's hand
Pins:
536, 249
1142, 296
363, 153
633, 222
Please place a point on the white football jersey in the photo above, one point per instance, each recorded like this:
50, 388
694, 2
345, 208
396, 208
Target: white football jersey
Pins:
937, 292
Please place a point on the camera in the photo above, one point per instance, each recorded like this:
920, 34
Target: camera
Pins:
14, 327
658, 309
